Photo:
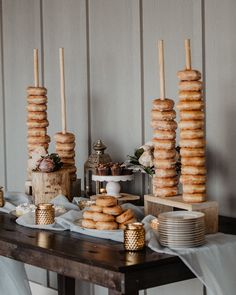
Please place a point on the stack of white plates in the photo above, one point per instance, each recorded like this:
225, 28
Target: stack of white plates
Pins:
181, 229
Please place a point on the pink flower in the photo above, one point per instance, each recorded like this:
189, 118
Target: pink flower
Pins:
46, 165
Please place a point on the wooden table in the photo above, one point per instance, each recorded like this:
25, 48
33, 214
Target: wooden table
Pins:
103, 262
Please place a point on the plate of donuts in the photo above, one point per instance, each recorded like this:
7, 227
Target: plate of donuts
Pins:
106, 215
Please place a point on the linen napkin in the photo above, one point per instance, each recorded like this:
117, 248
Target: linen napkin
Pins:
13, 199
213, 263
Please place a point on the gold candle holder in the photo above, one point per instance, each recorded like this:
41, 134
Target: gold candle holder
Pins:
44, 214
134, 236
2, 201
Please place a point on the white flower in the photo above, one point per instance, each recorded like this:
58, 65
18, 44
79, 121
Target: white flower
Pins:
148, 146
146, 159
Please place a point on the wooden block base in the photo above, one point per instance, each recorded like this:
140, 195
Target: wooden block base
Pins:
156, 205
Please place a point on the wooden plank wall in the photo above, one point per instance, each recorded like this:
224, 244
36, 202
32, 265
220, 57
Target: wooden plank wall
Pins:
111, 76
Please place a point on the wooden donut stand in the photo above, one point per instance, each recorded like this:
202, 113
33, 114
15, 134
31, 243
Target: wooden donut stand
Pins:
156, 205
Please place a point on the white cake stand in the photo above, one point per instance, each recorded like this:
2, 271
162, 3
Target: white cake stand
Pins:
113, 182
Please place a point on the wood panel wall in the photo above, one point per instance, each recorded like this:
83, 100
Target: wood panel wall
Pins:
112, 76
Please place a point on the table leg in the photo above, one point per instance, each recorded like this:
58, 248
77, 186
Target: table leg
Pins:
66, 285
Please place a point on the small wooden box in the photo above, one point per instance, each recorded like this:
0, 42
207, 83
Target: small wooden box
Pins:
155, 205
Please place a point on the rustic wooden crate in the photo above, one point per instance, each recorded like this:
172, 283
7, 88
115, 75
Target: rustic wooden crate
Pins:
156, 205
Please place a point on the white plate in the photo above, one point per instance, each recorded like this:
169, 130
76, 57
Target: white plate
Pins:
181, 215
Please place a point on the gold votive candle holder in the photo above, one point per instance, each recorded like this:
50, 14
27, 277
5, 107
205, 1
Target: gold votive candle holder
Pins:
44, 214
134, 237
2, 201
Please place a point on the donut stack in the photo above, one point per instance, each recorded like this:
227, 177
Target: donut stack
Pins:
192, 142
107, 215
37, 122
65, 148
163, 122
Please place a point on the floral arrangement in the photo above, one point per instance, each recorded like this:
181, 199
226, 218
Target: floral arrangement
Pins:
41, 161
142, 160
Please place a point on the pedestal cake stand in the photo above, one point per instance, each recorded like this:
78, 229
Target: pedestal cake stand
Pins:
113, 182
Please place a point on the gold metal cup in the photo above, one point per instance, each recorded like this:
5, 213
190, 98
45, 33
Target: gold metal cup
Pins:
2, 201
134, 237
44, 214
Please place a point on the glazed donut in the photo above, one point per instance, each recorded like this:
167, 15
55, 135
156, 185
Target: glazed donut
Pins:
114, 210
194, 198
37, 123
191, 124
189, 75
102, 217
95, 208
165, 173
106, 201
164, 134
36, 107
164, 154
67, 161
37, 115
190, 105
106, 225
88, 223
64, 138
38, 139
128, 214
33, 146
192, 115
166, 144
31, 90
164, 125
194, 188
163, 104
190, 95
193, 179
164, 182
190, 152
37, 99
190, 85
193, 161
193, 170
66, 154
123, 225
191, 134
192, 143
65, 146
37, 132
164, 163
165, 191
163, 115
88, 214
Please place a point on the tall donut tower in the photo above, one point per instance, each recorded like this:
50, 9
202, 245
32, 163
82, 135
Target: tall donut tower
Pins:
65, 141
163, 115
37, 122
192, 135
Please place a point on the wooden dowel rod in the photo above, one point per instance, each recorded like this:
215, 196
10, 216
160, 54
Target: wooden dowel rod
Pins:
161, 68
36, 68
63, 95
187, 54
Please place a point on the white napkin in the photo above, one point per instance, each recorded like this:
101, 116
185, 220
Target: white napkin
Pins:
13, 199
213, 263
61, 200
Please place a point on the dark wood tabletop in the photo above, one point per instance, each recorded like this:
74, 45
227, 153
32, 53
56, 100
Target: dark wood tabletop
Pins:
99, 261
